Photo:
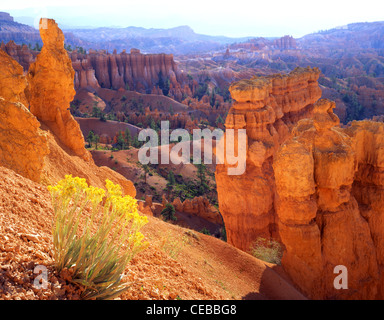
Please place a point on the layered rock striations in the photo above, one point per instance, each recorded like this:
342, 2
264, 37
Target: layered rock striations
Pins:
144, 73
320, 221
267, 107
368, 184
320, 192
314, 186
133, 71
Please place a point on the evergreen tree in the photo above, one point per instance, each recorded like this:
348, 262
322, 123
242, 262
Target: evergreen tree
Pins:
90, 138
102, 117
96, 111
153, 125
120, 141
212, 98
169, 212
37, 47
128, 138
164, 83
136, 142
202, 180
96, 140
171, 178
146, 170
219, 119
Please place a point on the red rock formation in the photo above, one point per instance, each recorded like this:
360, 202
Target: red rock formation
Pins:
51, 89
329, 205
23, 145
84, 73
22, 54
368, 185
285, 43
266, 107
319, 189
12, 81
38, 153
198, 206
135, 71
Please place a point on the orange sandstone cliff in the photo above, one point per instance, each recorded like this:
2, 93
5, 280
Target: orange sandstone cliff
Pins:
23, 145
314, 186
40, 139
51, 89
267, 108
321, 223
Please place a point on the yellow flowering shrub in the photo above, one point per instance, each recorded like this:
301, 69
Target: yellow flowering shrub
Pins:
95, 233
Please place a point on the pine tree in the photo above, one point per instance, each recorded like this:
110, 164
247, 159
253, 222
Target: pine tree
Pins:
169, 212
146, 170
90, 138
152, 124
203, 185
128, 138
219, 119
171, 178
96, 140
120, 141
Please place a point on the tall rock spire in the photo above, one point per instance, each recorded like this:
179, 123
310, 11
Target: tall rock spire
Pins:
51, 89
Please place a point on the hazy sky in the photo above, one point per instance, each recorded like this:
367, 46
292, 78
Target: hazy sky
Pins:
234, 18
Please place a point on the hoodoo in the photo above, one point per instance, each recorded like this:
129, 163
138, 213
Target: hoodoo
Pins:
312, 185
267, 107
40, 139
51, 89
321, 223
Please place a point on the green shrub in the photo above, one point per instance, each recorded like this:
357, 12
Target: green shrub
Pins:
95, 235
268, 250
205, 231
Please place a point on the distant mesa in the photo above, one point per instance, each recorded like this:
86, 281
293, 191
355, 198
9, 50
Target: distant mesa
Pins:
4, 16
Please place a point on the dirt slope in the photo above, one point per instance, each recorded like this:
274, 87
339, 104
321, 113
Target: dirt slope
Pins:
179, 263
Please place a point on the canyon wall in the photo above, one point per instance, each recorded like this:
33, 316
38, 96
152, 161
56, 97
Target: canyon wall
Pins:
133, 71
267, 107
